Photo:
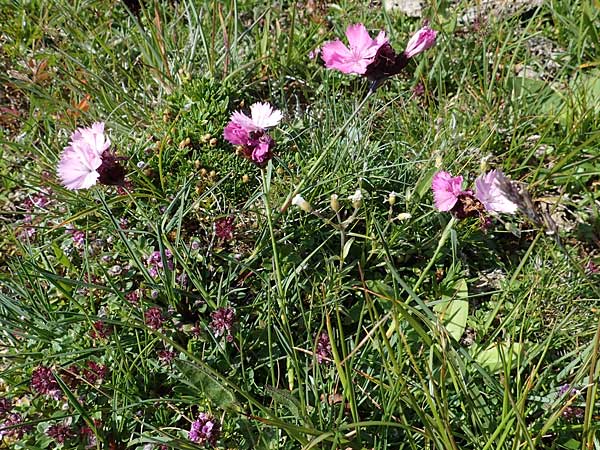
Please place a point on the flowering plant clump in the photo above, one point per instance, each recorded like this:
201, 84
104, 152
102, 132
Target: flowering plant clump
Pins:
88, 160
490, 195
375, 59
249, 132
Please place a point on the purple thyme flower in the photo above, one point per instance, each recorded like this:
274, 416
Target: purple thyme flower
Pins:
43, 382
323, 352
166, 356
154, 317
100, 330
205, 429
10, 427
155, 262
133, 297
222, 322
60, 432
224, 228
95, 372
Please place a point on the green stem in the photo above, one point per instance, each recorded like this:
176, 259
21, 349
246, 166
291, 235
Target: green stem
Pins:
265, 197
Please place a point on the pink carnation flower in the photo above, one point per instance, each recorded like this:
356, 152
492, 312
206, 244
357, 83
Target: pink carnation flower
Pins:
490, 192
78, 166
262, 116
420, 41
250, 131
87, 160
361, 53
446, 190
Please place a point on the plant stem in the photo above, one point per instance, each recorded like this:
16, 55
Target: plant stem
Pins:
276, 265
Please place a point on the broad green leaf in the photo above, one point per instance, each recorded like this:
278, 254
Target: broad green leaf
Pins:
207, 385
492, 358
453, 309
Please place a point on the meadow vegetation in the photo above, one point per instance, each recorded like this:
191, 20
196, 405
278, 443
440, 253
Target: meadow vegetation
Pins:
316, 298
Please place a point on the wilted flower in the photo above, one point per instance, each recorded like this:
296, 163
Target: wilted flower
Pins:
87, 434
60, 432
71, 376
299, 201
490, 192
205, 429
43, 382
373, 58
87, 160
222, 322
5, 405
250, 132
95, 372
100, 330
154, 317
335, 203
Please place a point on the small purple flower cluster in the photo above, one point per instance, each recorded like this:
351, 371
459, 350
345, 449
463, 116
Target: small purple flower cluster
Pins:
224, 228
222, 322
12, 427
205, 429
154, 318
43, 382
323, 351
60, 432
155, 263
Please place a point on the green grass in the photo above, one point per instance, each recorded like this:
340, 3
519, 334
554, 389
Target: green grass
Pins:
443, 336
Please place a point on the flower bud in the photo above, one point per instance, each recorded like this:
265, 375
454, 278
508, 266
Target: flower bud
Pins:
404, 216
335, 204
356, 199
301, 203
392, 198
420, 41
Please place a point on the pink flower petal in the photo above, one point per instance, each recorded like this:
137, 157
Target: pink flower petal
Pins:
243, 121
235, 134
358, 56
264, 116
491, 194
78, 166
420, 41
446, 190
